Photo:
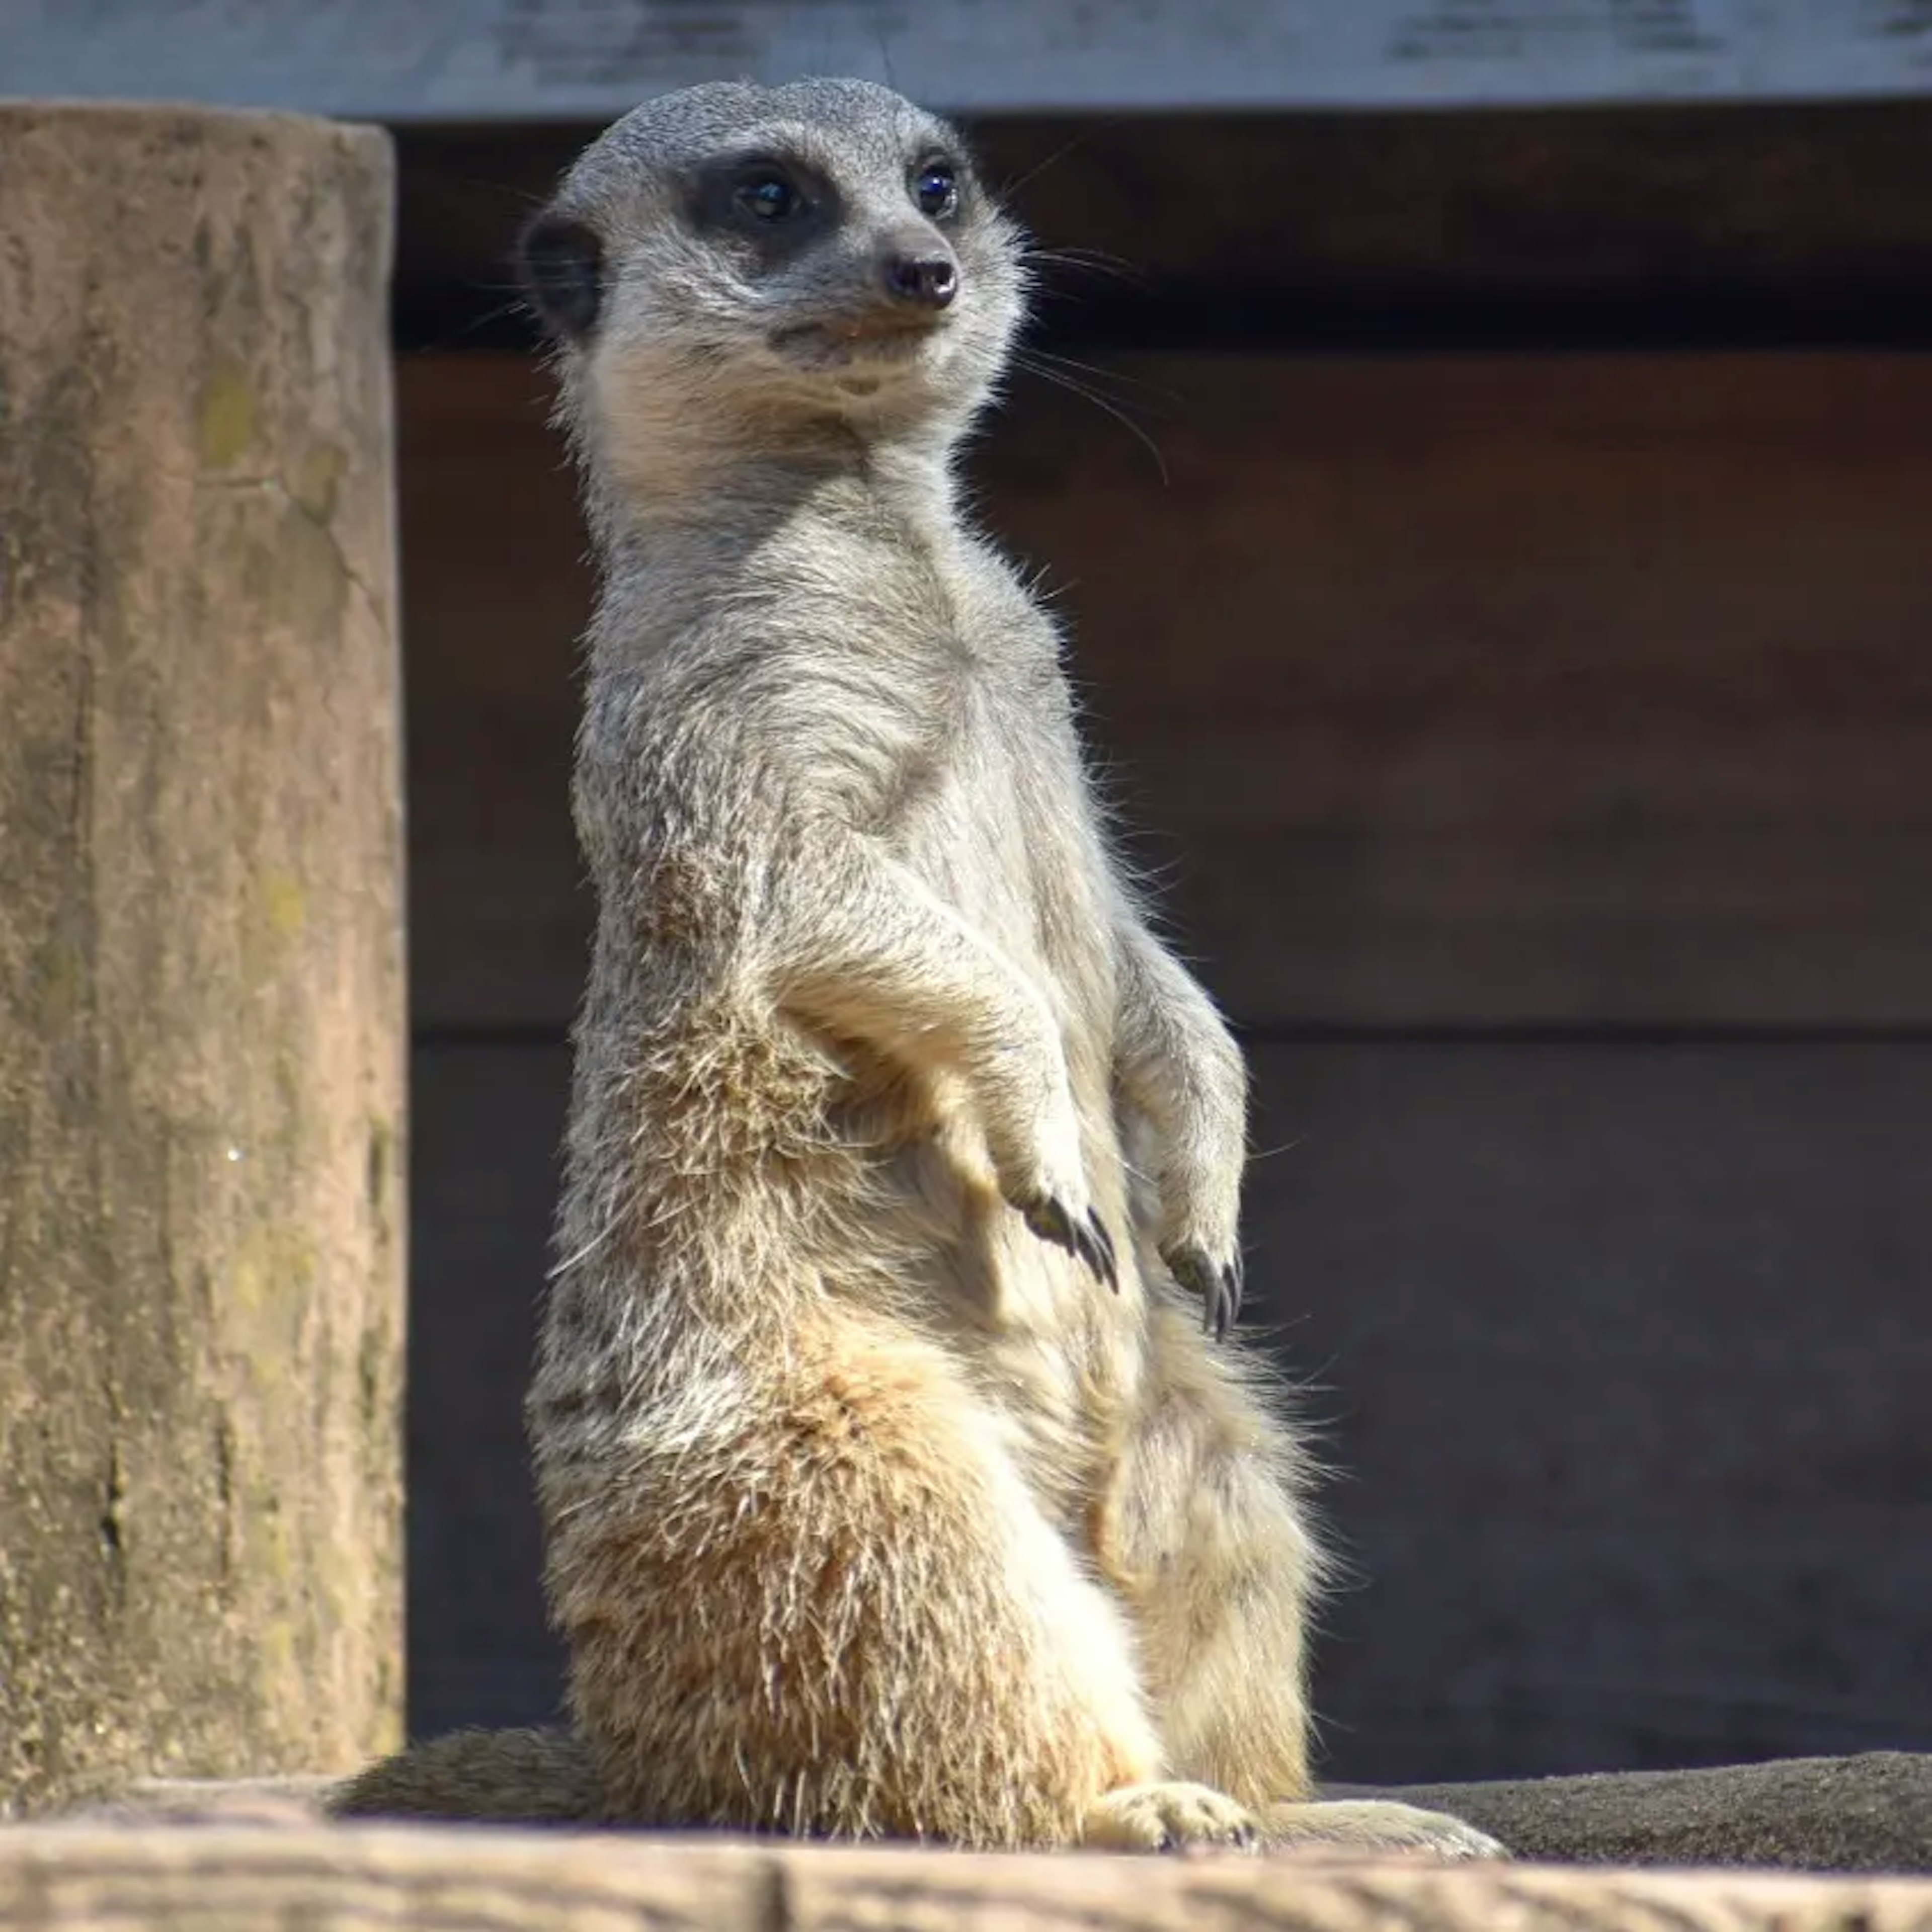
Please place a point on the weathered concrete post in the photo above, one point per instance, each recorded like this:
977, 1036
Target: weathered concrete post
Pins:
202, 1001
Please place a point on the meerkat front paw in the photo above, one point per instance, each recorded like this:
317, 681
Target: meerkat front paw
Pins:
1165, 1817
1377, 1825
1045, 1184
1219, 1284
1196, 1157
1198, 1232
1083, 1236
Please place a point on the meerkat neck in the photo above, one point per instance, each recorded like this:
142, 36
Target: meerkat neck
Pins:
720, 496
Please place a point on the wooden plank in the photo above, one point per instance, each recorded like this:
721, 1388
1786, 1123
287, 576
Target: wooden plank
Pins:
1620, 1355
76, 1879
1775, 223
479, 59
487, 1125
1493, 690
1449, 692
1624, 1355
495, 592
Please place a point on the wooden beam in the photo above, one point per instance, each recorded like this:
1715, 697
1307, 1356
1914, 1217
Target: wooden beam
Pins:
95, 1879
486, 59
1733, 226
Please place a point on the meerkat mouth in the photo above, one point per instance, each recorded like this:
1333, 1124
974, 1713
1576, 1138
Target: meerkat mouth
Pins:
874, 337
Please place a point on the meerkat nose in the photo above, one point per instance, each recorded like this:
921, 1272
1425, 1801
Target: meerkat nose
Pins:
931, 281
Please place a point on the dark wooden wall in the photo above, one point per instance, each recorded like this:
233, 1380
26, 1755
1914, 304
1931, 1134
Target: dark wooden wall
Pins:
1538, 751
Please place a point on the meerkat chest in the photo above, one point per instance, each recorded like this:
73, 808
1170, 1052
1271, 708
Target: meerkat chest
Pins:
1003, 829
941, 716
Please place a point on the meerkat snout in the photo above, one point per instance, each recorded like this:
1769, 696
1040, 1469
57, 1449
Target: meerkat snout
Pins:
928, 281
927, 276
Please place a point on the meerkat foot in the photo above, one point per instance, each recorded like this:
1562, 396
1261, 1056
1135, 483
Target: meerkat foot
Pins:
1086, 1237
1219, 1284
1165, 1817
1376, 1825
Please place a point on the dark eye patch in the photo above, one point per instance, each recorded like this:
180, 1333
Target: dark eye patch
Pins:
767, 194
773, 200
561, 263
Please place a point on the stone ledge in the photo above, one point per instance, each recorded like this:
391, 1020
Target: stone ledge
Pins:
1871, 1812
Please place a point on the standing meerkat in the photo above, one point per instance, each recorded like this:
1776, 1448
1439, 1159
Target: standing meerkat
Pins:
896, 1479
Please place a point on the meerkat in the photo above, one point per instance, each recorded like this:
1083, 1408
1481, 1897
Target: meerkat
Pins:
899, 1476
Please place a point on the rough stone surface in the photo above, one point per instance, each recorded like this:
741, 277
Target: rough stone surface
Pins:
1869, 1812
202, 1013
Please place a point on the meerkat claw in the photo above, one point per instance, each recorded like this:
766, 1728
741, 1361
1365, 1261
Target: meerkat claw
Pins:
1048, 1220
1086, 1241
1234, 1285
1219, 1287
1097, 1250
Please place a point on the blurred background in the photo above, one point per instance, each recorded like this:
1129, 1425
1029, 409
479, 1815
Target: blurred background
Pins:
1483, 451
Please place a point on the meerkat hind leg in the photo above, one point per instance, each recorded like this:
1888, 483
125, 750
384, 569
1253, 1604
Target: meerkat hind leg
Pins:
1206, 1541
858, 1624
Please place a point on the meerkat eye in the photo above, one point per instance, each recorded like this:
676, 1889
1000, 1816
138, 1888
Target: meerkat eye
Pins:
935, 188
767, 195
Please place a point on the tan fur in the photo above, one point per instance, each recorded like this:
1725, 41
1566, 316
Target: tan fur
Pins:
873, 1509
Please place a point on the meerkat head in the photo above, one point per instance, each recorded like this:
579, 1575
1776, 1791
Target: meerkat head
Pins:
821, 252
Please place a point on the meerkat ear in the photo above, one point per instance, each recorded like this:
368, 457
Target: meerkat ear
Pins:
559, 260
